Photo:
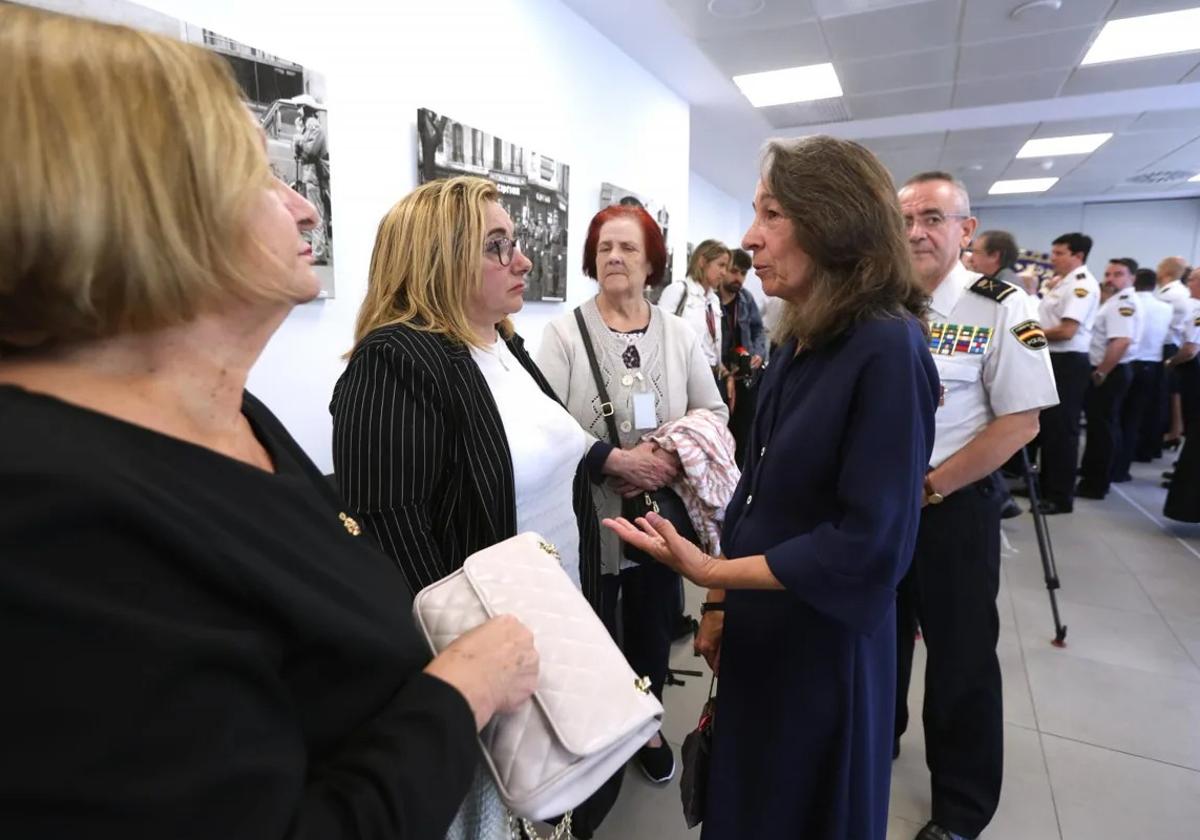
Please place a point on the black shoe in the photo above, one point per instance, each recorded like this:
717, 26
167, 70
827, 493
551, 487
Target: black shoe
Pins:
1010, 510
1083, 491
658, 763
1048, 508
933, 831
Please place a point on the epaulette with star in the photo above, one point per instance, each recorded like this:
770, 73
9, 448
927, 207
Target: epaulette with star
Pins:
993, 289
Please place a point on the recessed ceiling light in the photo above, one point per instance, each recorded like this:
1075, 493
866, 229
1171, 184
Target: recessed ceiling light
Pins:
1195, 177
735, 9
1022, 185
792, 84
1077, 144
1145, 36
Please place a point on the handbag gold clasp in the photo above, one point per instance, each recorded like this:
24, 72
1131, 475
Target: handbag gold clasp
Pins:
642, 684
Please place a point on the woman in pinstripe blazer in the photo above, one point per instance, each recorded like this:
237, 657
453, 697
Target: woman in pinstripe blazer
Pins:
441, 414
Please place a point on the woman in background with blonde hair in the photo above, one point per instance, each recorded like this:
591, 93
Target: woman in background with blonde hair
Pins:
447, 439
695, 299
198, 642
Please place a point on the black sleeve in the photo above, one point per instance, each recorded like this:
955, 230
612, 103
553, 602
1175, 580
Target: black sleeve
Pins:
145, 695
595, 458
390, 449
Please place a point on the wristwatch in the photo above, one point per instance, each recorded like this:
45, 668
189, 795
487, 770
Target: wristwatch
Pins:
932, 496
712, 606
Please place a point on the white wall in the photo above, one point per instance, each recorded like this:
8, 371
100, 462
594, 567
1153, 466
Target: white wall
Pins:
715, 214
529, 71
1144, 230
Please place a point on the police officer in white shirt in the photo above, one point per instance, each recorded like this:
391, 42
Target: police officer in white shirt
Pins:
991, 356
1067, 313
1118, 328
695, 299
1141, 418
1172, 289
1183, 496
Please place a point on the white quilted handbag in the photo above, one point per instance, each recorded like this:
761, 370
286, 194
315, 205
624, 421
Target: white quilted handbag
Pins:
590, 712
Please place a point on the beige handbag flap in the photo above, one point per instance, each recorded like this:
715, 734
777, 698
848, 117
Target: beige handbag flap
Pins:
591, 697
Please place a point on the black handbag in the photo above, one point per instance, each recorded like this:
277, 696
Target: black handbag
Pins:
697, 758
663, 501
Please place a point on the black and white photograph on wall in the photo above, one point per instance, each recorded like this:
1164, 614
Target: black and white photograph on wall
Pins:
287, 99
534, 189
611, 194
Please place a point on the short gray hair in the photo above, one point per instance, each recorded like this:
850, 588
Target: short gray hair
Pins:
939, 175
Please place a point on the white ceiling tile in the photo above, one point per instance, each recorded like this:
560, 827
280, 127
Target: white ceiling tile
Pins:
996, 155
920, 26
1137, 8
985, 20
1094, 125
1185, 157
1193, 76
1124, 75
918, 69
1011, 136
1140, 150
903, 165
1164, 120
911, 101
696, 19
754, 52
799, 114
1027, 168
906, 143
1002, 58
1044, 84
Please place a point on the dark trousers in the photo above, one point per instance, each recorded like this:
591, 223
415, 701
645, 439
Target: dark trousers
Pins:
1103, 405
950, 592
1142, 418
1059, 438
649, 596
741, 419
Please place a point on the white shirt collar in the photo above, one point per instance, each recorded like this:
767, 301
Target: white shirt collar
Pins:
950, 290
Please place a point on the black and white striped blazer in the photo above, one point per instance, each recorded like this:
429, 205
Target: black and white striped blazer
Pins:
422, 459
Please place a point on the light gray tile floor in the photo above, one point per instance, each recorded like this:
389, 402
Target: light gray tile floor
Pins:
1102, 738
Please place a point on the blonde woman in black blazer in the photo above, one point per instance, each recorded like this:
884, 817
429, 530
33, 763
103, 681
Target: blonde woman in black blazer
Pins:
421, 450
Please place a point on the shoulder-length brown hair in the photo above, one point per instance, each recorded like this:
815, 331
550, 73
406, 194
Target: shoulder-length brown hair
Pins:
428, 261
842, 204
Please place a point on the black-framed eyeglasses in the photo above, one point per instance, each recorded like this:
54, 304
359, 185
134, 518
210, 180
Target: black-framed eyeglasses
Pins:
503, 248
933, 220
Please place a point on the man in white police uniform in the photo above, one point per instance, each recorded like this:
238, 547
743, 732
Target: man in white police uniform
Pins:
1117, 329
1067, 313
991, 355
1172, 289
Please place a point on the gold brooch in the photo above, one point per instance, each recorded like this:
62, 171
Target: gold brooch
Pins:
549, 549
351, 525
642, 684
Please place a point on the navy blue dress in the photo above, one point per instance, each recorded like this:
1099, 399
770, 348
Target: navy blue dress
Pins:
831, 495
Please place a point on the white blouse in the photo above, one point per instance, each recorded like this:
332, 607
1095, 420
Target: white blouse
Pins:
546, 444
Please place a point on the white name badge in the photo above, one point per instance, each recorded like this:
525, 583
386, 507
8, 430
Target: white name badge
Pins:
644, 415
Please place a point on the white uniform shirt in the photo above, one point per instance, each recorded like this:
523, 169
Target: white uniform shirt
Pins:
1156, 323
1191, 330
1176, 294
699, 304
1119, 317
1077, 297
990, 355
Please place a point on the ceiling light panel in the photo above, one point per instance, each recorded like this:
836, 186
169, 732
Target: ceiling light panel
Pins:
792, 84
1075, 144
1195, 177
1146, 36
1022, 185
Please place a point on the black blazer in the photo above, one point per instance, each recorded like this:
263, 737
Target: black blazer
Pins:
422, 459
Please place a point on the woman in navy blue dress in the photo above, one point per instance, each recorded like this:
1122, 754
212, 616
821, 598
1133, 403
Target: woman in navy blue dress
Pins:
823, 524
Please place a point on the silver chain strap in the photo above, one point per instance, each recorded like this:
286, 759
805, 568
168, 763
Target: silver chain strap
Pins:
562, 831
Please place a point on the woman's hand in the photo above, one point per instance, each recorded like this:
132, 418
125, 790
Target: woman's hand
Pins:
657, 537
494, 666
639, 467
708, 639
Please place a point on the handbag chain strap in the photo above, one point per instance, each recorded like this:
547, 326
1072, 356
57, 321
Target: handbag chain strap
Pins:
521, 828
606, 406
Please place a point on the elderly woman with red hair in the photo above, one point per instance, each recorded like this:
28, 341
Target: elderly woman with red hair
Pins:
654, 372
